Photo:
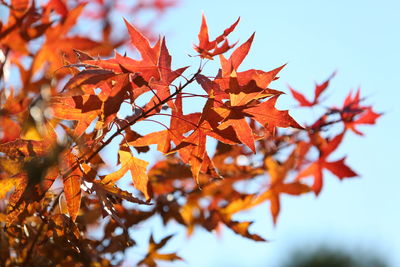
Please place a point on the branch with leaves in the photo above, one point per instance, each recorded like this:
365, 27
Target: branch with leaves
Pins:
218, 136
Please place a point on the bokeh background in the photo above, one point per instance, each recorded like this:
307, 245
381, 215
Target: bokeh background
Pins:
359, 39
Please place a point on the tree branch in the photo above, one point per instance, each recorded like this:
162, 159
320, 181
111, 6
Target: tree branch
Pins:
132, 122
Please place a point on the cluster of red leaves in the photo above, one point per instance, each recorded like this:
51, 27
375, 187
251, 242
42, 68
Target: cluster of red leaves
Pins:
69, 105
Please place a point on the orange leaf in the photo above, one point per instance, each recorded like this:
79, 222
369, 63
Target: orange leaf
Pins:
72, 192
266, 114
236, 58
136, 166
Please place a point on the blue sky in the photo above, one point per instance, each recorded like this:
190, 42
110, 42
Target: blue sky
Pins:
359, 39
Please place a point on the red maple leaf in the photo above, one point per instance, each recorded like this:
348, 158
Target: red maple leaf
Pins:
209, 49
353, 113
319, 89
338, 167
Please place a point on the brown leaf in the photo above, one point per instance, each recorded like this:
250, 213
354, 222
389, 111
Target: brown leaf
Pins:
153, 254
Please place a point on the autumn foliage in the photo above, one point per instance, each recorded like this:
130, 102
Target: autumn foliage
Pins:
66, 98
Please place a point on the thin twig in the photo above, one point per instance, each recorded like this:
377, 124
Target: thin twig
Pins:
132, 122
144, 115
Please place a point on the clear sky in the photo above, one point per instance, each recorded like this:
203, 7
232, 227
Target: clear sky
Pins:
359, 39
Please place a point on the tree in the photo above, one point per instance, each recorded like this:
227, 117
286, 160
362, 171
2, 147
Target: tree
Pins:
65, 103
326, 256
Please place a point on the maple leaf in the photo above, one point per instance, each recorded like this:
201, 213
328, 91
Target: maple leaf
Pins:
194, 151
209, 49
82, 108
163, 174
22, 25
87, 107
338, 168
72, 192
263, 112
353, 113
136, 166
28, 190
278, 174
266, 114
367, 117
149, 54
319, 89
228, 66
236, 119
243, 88
72, 188
225, 152
57, 42
179, 125
147, 67
152, 73
161, 138
242, 228
167, 76
236, 58
153, 254
87, 80
191, 148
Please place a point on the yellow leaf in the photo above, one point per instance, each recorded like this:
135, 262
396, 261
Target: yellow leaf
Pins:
136, 166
